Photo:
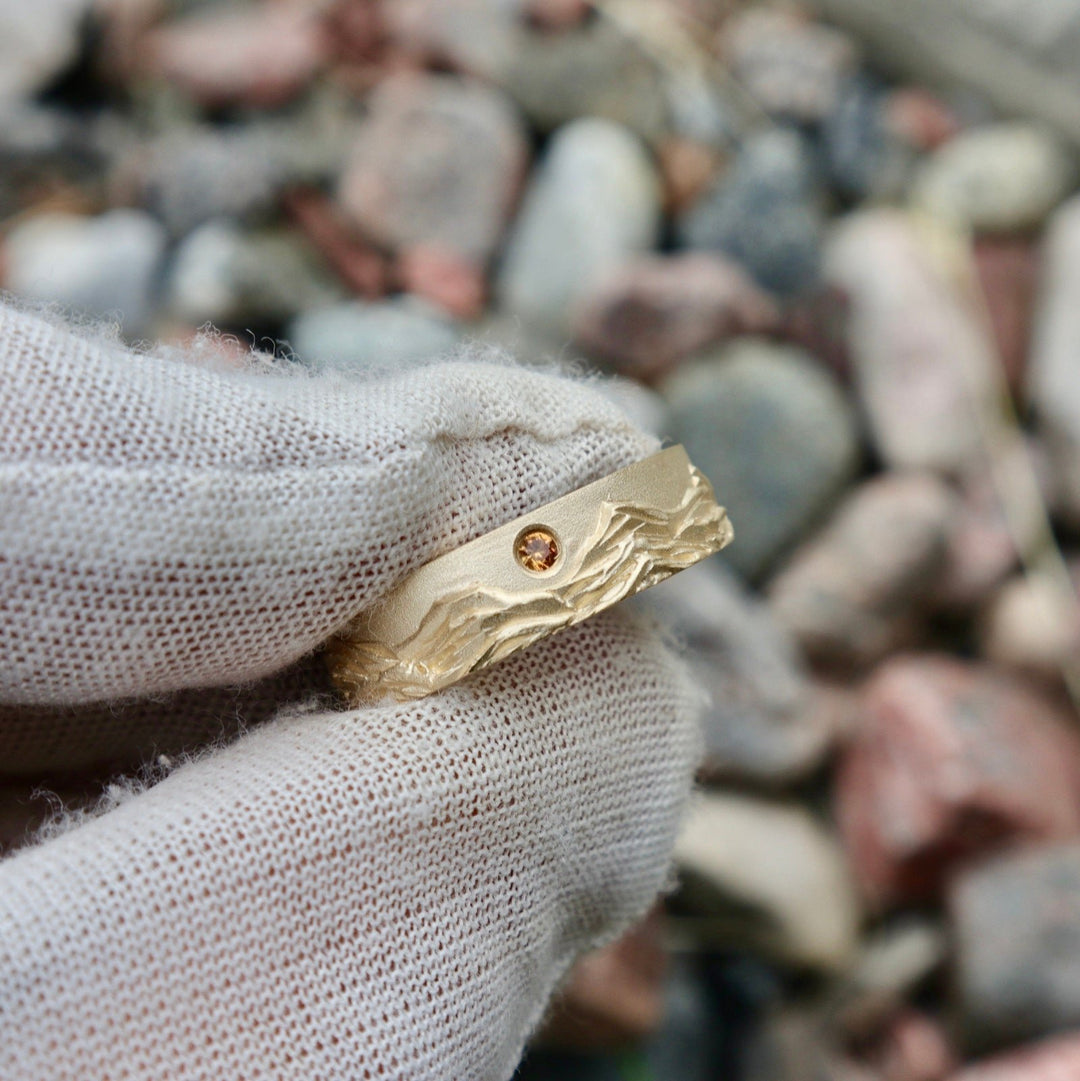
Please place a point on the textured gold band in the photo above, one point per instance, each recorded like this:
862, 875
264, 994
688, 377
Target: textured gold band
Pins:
569, 559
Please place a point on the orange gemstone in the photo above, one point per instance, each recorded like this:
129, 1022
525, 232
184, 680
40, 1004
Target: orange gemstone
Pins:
537, 549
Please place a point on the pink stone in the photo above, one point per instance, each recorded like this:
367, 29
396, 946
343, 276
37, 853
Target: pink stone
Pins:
357, 31
437, 164
260, 56
1008, 273
953, 761
361, 267
914, 1047
1056, 1059
859, 587
444, 278
982, 549
922, 368
556, 15
920, 119
655, 311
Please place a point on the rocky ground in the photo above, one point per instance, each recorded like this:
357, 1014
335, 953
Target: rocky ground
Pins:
840, 261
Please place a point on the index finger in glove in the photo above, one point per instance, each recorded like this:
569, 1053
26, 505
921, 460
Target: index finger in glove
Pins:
386, 893
167, 526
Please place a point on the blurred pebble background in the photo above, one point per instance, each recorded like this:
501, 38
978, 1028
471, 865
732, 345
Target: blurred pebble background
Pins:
834, 250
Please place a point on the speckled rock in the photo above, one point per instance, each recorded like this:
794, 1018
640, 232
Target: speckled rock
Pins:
764, 212
437, 163
923, 372
357, 335
951, 762
996, 178
104, 266
190, 175
653, 312
858, 589
790, 66
1052, 378
593, 203
1017, 931
774, 878
766, 722
861, 155
775, 436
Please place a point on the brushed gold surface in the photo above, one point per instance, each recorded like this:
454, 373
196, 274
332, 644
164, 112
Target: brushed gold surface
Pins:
478, 604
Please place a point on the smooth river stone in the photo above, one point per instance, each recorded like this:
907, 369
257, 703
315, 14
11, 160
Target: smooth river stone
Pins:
774, 879
859, 588
102, 266
1053, 383
996, 178
592, 69
775, 435
358, 335
766, 722
924, 373
594, 202
1016, 925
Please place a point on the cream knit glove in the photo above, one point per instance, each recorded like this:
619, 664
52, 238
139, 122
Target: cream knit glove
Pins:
387, 892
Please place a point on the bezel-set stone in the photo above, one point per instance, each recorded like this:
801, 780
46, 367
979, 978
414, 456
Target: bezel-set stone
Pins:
537, 549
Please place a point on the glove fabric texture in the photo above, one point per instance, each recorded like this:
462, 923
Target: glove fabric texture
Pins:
388, 892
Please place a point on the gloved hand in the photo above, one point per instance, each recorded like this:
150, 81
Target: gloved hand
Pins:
391, 892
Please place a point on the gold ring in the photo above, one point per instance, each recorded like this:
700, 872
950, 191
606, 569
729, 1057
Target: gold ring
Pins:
501, 592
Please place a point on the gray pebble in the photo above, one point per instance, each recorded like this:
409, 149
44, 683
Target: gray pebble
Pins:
760, 725
773, 433
358, 335
1017, 927
103, 266
594, 202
